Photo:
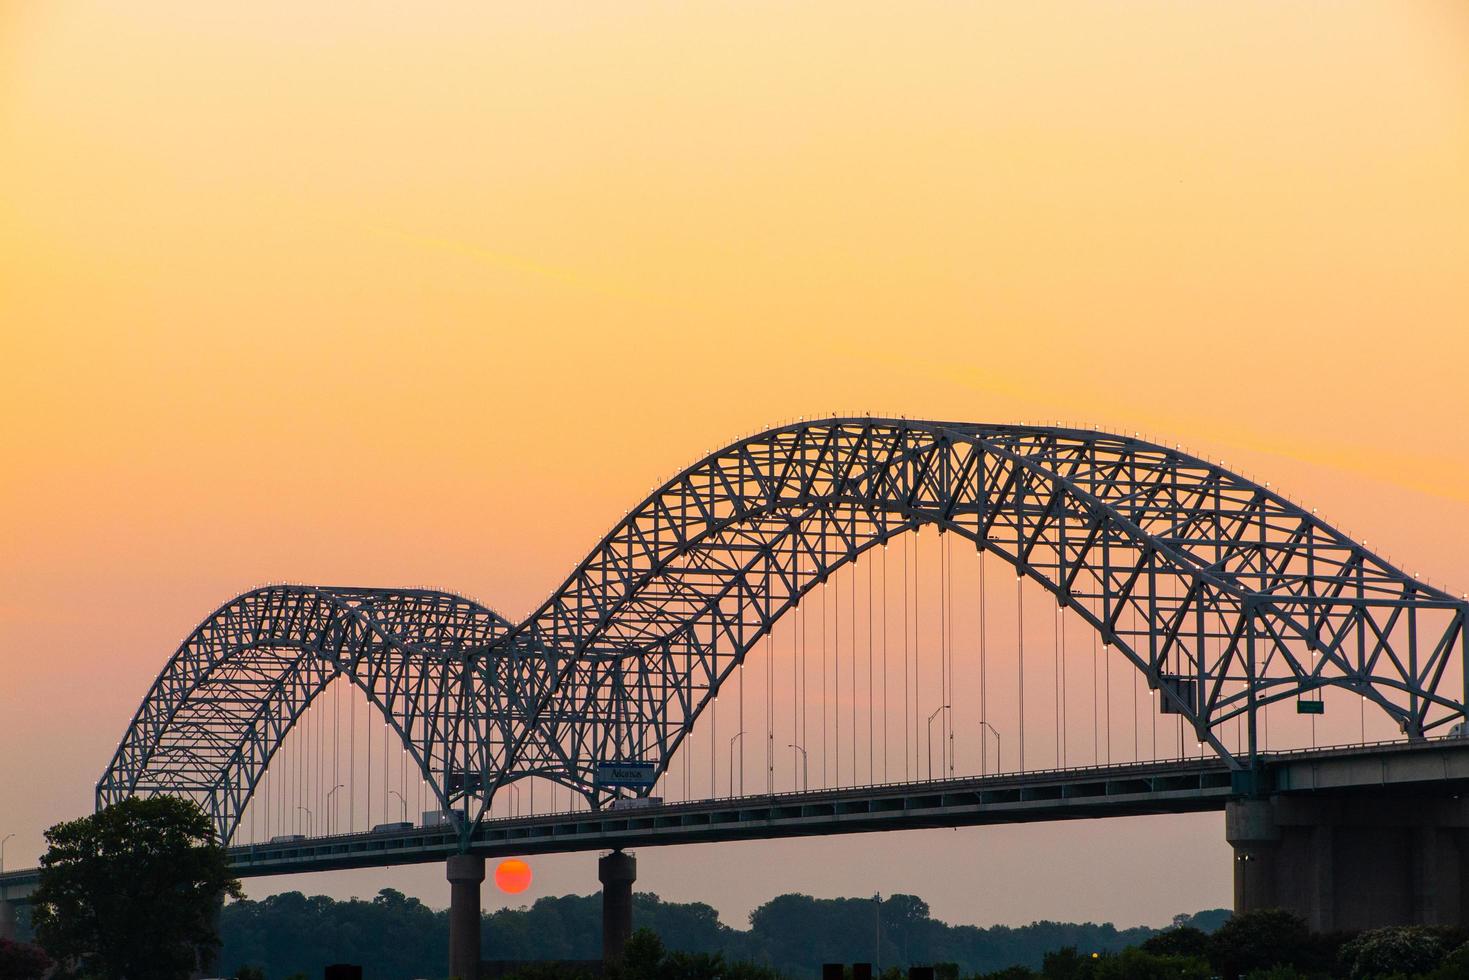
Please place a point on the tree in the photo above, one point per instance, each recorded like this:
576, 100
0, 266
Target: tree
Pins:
1066, 964
646, 958
22, 961
1180, 940
1259, 940
1010, 973
134, 890
1137, 964
642, 954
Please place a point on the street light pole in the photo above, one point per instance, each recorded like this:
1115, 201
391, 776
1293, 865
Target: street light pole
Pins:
2, 851
936, 712
393, 792
999, 760
309, 819
805, 771
331, 812
732, 740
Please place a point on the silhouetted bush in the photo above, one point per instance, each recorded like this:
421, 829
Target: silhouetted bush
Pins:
22, 961
1397, 949
1455, 965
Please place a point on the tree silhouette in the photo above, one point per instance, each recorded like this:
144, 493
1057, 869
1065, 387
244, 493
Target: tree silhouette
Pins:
134, 890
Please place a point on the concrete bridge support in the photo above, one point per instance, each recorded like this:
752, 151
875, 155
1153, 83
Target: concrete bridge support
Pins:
617, 871
7, 920
1353, 862
466, 872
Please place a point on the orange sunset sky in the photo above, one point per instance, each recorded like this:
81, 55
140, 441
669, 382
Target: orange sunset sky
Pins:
401, 294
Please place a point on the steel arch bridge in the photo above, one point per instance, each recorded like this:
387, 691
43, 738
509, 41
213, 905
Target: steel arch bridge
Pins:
1223, 594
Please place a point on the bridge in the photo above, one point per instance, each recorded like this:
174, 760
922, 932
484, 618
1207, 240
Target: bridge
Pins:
1152, 589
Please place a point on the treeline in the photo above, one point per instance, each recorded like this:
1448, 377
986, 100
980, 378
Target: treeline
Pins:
398, 938
1267, 944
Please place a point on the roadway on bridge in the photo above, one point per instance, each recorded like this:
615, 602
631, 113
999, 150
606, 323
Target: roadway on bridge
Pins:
1177, 786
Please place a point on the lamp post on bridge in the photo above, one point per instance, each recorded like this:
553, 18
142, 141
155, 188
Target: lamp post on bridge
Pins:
331, 812
805, 769
936, 712
7, 911
393, 792
984, 755
736, 737
309, 819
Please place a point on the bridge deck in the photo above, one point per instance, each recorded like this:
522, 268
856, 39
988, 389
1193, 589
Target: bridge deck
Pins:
1177, 786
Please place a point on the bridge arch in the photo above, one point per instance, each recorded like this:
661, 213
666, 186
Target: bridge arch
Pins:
226, 699
671, 601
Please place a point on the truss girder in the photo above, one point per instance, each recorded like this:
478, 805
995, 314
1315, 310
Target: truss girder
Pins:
1189, 570
226, 699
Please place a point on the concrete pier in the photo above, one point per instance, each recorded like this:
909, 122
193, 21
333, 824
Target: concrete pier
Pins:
466, 873
617, 871
1352, 862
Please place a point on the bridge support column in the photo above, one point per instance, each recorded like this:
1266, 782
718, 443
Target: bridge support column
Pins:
1352, 862
7, 920
1249, 826
617, 871
466, 872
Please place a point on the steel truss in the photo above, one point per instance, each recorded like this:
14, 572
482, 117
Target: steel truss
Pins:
1223, 594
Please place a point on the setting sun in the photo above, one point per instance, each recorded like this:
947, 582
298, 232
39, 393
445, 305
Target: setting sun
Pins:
513, 876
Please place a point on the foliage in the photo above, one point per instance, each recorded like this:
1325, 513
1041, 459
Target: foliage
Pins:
1260, 940
1130, 964
1207, 921
798, 933
794, 934
1008, 973
1455, 965
1398, 949
22, 961
1179, 941
1138, 964
550, 971
133, 890
646, 958
1277, 973
289, 933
